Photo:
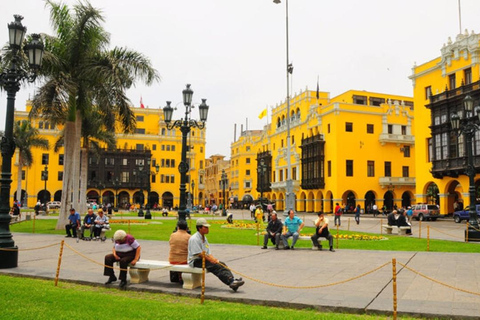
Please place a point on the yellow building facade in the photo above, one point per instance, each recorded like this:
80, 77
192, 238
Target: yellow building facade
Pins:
440, 85
355, 148
151, 137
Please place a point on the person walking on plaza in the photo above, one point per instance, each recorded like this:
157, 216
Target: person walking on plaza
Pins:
357, 214
259, 214
126, 250
338, 214
73, 225
321, 225
274, 230
375, 210
252, 210
409, 214
178, 249
198, 244
292, 227
88, 223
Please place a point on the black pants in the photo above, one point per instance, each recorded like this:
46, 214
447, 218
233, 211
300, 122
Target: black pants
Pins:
275, 239
71, 228
325, 234
125, 259
218, 270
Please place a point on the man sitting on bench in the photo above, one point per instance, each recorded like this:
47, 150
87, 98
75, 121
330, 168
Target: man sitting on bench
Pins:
321, 225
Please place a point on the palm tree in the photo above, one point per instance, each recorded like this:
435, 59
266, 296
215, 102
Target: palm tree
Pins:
79, 72
26, 137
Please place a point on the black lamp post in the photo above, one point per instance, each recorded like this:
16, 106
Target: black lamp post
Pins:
45, 178
192, 184
10, 80
185, 125
261, 170
140, 211
116, 185
224, 184
101, 186
148, 215
467, 126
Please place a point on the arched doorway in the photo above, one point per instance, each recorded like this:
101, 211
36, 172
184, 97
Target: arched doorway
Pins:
406, 199
349, 200
57, 196
153, 199
139, 197
369, 201
23, 198
108, 197
124, 200
92, 195
167, 200
433, 196
388, 200
302, 206
44, 196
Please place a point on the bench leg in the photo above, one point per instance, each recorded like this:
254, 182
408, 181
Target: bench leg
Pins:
138, 275
191, 280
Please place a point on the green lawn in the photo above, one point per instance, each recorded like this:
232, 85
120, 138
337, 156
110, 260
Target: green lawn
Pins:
159, 229
25, 298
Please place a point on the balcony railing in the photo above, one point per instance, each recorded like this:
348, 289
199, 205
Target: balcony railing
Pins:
397, 138
396, 181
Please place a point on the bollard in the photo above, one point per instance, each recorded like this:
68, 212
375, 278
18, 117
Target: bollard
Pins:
34, 218
203, 278
428, 238
420, 229
258, 236
337, 236
348, 224
381, 226
466, 233
129, 226
59, 262
394, 276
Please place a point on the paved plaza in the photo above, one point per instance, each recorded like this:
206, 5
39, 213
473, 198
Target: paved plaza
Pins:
273, 277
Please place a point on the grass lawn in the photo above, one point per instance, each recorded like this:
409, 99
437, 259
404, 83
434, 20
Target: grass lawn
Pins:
159, 229
25, 298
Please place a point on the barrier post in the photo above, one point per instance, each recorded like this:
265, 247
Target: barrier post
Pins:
381, 226
129, 226
428, 238
420, 229
466, 233
203, 278
348, 224
337, 236
258, 236
34, 218
59, 262
394, 272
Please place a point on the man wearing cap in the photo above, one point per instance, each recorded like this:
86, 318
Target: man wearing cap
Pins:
197, 244
127, 251
74, 224
321, 225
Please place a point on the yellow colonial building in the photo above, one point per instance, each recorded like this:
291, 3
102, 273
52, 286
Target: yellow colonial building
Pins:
144, 161
355, 148
440, 86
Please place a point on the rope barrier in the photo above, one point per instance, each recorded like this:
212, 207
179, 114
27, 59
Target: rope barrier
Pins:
306, 287
371, 227
29, 249
439, 282
446, 233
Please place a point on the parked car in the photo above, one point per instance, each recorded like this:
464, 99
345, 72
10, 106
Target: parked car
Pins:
54, 204
426, 212
463, 214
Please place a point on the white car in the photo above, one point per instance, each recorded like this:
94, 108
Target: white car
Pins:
54, 204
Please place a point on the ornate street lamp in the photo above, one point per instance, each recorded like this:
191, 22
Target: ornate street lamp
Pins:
140, 211
261, 170
10, 80
192, 184
148, 215
185, 125
290, 196
224, 184
45, 178
467, 126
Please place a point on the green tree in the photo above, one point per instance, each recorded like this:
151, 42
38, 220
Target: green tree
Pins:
80, 72
26, 137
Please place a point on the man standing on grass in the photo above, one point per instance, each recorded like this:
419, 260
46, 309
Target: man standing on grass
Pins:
197, 244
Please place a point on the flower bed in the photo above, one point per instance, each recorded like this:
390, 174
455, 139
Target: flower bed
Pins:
126, 221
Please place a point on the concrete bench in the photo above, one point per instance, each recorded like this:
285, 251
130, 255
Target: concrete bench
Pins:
192, 277
399, 230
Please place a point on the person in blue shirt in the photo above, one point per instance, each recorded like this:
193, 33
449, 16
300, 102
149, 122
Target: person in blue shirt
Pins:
74, 224
291, 228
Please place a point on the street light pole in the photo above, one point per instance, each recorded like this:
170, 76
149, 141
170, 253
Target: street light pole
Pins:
140, 211
192, 184
468, 127
185, 124
45, 178
262, 168
290, 196
10, 80
224, 184
148, 215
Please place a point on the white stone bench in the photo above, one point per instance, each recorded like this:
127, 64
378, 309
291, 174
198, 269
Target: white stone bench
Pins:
399, 230
192, 277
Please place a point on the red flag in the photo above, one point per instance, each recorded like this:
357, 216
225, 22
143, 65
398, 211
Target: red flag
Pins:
141, 103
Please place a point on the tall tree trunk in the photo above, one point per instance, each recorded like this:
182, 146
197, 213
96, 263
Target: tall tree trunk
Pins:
76, 163
19, 176
83, 177
69, 136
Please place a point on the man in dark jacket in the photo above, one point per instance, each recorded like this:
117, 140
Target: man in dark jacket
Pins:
88, 223
274, 230
391, 218
402, 221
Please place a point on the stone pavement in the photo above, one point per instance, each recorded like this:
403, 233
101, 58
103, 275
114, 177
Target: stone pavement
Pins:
371, 293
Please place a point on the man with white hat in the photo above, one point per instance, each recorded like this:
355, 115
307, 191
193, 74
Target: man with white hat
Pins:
197, 244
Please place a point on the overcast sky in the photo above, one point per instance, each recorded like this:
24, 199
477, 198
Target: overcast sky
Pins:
233, 52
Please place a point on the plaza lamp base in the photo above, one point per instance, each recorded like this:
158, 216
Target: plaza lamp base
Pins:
473, 235
8, 257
